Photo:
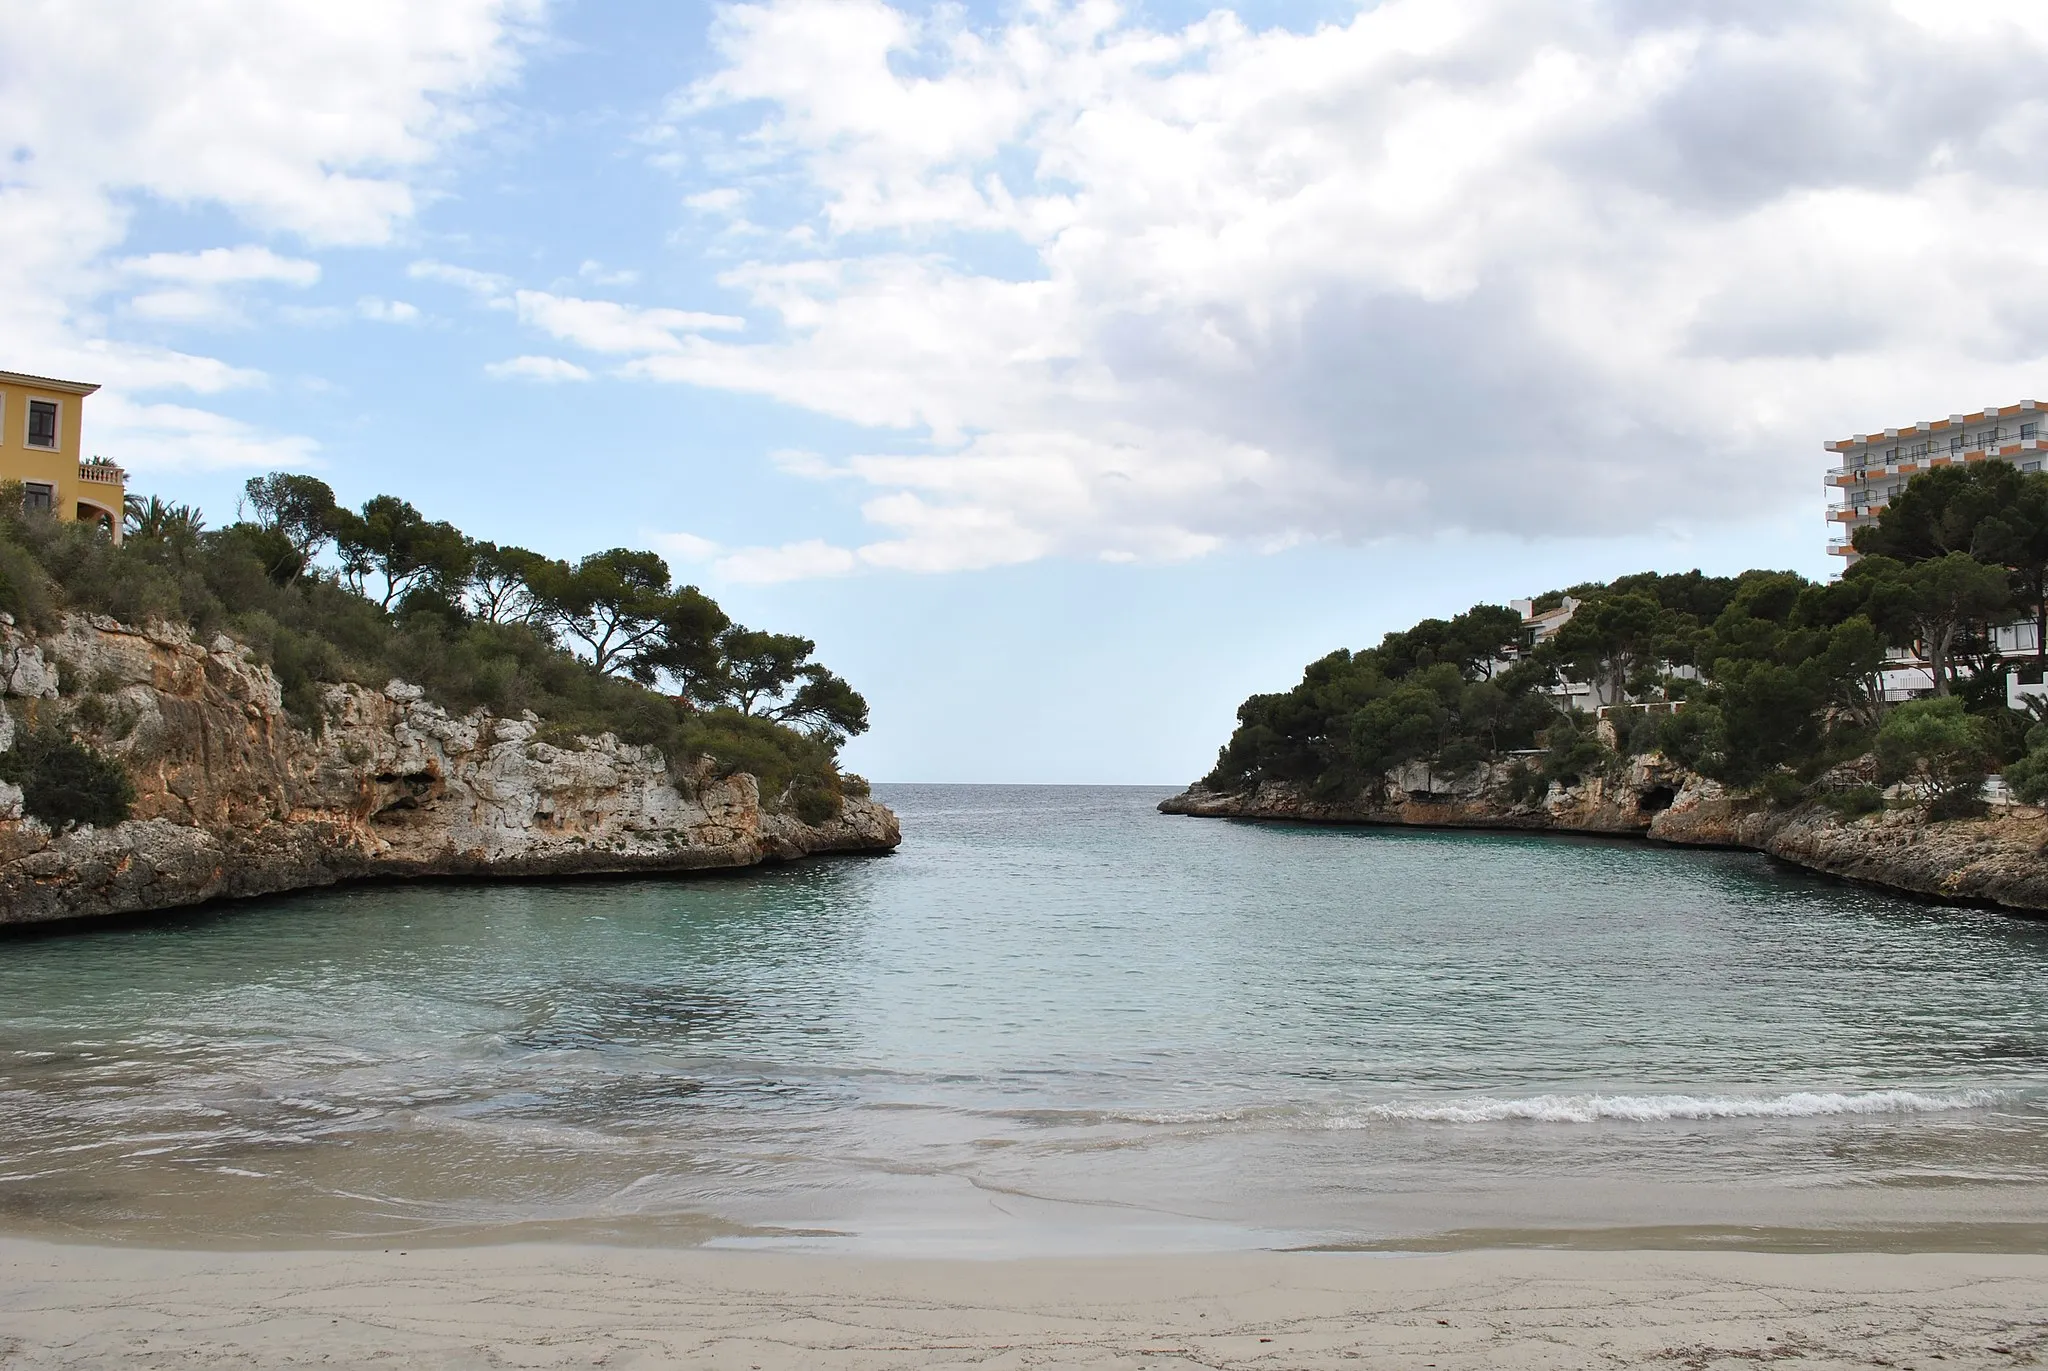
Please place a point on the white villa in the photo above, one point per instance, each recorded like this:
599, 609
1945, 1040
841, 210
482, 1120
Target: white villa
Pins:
1588, 697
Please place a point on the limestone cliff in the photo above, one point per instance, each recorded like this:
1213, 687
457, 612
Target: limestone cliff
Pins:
232, 799
2001, 859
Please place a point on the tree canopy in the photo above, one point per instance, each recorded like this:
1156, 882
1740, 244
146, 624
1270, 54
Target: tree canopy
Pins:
621, 608
398, 545
772, 676
1746, 678
607, 643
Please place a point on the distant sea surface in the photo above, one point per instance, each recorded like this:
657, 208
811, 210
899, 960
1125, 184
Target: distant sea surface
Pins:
1055, 1021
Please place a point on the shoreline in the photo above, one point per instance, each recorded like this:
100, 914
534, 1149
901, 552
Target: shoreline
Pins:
1641, 839
1993, 862
227, 905
74, 1306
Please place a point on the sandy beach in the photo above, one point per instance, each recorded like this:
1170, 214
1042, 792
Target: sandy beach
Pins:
549, 1306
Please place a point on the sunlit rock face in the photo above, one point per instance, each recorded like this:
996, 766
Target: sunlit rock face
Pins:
233, 799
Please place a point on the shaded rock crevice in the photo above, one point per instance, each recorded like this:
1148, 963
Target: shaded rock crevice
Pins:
232, 799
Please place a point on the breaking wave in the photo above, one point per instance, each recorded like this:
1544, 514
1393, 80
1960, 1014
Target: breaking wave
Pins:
1799, 1104
1554, 1108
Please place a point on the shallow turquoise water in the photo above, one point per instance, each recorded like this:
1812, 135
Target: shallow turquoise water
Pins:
1055, 1020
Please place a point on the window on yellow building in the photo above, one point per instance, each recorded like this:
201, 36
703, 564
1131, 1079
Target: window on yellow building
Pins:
42, 423
38, 497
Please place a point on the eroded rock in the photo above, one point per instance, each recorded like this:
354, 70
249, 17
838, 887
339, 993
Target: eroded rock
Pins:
2001, 859
232, 799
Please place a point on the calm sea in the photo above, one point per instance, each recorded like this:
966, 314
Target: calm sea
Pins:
1055, 1021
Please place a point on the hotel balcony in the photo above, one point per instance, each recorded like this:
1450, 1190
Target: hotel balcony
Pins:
1912, 461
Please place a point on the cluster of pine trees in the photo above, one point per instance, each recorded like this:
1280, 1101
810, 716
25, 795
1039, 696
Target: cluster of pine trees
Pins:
325, 594
1776, 679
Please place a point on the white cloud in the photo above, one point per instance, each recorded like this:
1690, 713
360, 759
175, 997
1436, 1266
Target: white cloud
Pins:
607, 326
598, 274
206, 287
537, 369
962, 543
1481, 264
186, 307
224, 266
129, 367
723, 200
809, 465
387, 311
164, 437
297, 115
791, 562
686, 547
286, 117
483, 284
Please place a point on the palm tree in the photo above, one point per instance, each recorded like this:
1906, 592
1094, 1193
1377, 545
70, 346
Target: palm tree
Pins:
153, 519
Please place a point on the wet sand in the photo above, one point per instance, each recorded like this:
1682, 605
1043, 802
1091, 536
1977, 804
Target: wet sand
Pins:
565, 1305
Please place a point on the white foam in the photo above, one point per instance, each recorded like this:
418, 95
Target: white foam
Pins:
1798, 1104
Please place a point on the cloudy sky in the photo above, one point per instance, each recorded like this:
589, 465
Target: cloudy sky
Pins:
1068, 370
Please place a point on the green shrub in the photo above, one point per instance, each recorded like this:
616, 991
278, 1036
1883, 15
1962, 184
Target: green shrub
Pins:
1575, 752
93, 711
63, 782
1854, 801
1959, 802
1524, 784
1645, 734
816, 803
24, 586
2028, 776
1935, 748
1694, 738
1782, 789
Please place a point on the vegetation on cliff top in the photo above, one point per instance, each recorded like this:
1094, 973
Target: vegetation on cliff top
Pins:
1764, 680
326, 594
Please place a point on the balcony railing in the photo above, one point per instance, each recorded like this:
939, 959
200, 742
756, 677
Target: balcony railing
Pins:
1882, 464
106, 473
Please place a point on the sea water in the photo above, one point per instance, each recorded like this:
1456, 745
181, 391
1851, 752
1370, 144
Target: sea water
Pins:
1056, 1020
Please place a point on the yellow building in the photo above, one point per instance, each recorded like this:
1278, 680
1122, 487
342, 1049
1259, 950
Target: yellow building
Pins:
39, 447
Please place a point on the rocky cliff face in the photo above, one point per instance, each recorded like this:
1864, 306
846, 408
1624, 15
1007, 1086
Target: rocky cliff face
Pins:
2001, 859
232, 799
1477, 799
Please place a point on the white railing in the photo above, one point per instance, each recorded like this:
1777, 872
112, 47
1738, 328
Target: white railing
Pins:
1641, 707
1877, 464
105, 473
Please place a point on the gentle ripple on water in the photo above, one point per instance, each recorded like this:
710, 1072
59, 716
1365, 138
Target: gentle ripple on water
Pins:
1054, 1018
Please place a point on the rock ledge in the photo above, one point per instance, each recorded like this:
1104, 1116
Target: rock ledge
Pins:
1999, 860
234, 800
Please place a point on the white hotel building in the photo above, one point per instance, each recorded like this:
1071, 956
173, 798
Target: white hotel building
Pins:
1875, 467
